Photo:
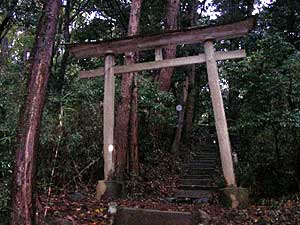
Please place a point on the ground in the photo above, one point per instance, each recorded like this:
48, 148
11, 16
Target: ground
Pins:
154, 191
82, 208
77, 208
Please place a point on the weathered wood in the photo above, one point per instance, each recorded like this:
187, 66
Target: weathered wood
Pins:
108, 120
182, 61
140, 43
219, 113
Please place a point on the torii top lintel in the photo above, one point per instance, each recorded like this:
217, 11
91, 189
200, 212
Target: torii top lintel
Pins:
140, 43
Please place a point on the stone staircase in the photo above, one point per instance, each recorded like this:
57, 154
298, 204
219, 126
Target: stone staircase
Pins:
197, 174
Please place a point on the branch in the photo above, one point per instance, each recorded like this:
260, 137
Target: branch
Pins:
85, 168
4, 25
79, 10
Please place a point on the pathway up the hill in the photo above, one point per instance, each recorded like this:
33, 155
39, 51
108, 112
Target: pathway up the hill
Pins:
196, 180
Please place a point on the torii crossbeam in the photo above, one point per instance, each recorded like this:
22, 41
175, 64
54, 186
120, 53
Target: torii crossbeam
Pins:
204, 35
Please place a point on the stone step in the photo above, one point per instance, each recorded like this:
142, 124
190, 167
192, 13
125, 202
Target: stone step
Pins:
200, 146
195, 187
210, 153
199, 165
199, 170
202, 153
193, 194
204, 149
197, 177
197, 158
202, 161
194, 181
135, 216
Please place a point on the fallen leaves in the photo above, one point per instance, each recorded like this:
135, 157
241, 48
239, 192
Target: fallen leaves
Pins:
154, 192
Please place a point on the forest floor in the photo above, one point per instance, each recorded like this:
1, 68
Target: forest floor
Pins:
154, 192
77, 208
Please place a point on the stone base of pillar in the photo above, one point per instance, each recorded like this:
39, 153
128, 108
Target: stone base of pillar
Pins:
234, 197
109, 189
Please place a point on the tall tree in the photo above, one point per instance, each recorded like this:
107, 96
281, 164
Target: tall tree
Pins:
122, 128
192, 19
30, 117
165, 76
181, 114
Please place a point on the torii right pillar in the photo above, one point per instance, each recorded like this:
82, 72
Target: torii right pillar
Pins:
232, 195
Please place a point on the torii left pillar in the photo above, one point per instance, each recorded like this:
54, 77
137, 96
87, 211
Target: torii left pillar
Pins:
109, 187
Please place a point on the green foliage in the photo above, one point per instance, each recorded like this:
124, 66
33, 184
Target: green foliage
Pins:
11, 92
268, 84
157, 119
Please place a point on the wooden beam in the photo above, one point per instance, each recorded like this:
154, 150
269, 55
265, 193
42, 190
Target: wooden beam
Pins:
219, 113
139, 43
108, 117
163, 63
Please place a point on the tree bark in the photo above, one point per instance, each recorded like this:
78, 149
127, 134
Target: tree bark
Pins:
4, 52
190, 104
178, 133
30, 118
134, 150
123, 112
165, 76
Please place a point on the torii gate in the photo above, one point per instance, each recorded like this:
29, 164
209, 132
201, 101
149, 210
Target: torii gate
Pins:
205, 35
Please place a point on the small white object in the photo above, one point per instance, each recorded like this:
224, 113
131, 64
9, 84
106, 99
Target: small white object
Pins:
112, 207
235, 157
110, 148
178, 108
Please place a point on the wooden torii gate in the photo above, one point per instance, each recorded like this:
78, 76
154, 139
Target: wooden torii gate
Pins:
205, 35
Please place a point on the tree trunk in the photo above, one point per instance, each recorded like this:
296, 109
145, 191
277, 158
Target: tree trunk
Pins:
178, 133
67, 38
30, 118
134, 150
123, 112
165, 76
4, 47
190, 104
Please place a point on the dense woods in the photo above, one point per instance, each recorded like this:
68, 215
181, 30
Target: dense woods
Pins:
51, 121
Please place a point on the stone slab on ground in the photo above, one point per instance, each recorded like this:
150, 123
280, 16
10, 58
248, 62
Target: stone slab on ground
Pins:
135, 216
193, 194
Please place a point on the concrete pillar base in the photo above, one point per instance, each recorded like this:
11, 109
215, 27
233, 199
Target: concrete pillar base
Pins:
109, 189
234, 197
